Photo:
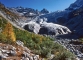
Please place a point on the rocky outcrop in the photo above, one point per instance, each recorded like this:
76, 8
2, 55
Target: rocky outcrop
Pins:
77, 4
44, 11
75, 24
18, 52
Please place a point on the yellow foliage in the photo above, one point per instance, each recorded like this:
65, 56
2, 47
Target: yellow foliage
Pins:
8, 32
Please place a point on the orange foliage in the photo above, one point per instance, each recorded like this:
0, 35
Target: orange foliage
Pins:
8, 32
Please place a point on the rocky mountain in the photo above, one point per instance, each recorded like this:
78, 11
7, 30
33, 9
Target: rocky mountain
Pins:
62, 24
75, 19
29, 12
34, 22
75, 5
8, 15
44, 11
61, 17
71, 17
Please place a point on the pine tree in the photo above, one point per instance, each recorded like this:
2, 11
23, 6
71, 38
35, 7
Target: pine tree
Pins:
8, 32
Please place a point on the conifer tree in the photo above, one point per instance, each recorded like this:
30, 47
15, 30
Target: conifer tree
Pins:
8, 32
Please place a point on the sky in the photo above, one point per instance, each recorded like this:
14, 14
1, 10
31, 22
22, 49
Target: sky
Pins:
51, 5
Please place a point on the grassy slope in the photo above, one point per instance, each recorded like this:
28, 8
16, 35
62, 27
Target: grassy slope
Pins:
44, 46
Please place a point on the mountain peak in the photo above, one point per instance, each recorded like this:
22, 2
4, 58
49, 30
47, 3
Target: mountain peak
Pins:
77, 4
44, 11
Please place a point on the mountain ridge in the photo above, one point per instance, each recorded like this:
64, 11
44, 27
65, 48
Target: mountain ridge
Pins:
60, 25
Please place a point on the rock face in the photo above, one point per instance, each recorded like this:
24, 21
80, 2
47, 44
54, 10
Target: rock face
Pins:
76, 5
75, 22
52, 17
44, 11
61, 20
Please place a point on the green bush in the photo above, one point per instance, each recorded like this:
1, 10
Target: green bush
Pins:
35, 42
2, 22
65, 55
3, 39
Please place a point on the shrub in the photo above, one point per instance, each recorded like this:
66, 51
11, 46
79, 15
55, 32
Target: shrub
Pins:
2, 37
65, 55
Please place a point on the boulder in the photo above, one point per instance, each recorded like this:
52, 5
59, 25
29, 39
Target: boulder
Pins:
36, 57
19, 42
26, 59
12, 53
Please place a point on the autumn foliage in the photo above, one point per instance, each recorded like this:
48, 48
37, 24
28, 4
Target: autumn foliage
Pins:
8, 32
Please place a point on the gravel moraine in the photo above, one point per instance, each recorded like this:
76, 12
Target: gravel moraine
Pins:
74, 48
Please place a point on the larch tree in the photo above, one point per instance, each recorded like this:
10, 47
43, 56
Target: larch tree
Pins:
8, 32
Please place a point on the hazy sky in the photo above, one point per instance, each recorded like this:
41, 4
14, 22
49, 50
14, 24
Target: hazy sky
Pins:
51, 5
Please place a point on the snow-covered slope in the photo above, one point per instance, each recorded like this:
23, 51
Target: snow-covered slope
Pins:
53, 29
29, 12
46, 28
52, 17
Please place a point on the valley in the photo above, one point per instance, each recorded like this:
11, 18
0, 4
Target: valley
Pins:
48, 35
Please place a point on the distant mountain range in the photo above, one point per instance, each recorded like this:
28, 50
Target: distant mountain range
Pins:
29, 12
40, 21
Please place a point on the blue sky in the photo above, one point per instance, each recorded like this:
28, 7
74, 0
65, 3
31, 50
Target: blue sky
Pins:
51, 5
